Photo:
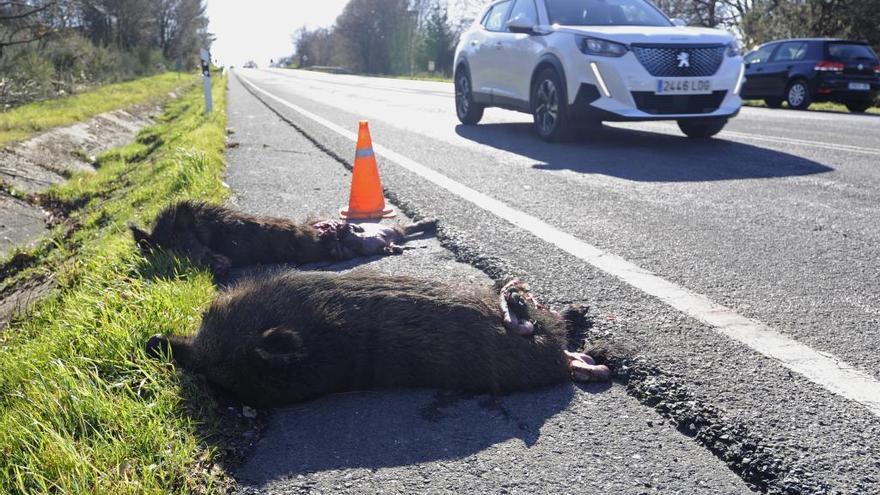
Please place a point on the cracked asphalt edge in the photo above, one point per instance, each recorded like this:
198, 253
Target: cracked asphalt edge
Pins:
731, 441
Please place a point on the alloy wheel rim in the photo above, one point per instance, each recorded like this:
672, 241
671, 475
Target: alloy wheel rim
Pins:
547, 108
461, 95
796, 94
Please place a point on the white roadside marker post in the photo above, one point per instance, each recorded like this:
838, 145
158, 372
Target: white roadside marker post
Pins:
206, 80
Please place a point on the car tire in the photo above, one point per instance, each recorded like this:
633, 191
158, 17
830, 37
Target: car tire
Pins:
774, 102
701, 128
858, 106
798, 95
550, 107
468, 111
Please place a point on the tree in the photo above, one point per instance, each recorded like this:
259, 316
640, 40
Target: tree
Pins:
24, 22
367, 28
438, 42
186, 30
315, 47
52, 45
764, 20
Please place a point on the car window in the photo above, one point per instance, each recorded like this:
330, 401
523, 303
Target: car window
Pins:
525, 10
791, 51
851, 51
605, 13
495, 18
761, 55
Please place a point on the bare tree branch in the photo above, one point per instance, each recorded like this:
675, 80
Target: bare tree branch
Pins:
22, 15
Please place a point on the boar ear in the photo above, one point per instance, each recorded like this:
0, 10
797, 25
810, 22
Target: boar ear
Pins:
141, 238
279, 347
184, 216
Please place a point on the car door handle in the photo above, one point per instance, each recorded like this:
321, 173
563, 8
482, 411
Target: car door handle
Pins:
474, 42
498, 45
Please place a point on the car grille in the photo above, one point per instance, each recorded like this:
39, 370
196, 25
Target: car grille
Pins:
649, 102
666, 61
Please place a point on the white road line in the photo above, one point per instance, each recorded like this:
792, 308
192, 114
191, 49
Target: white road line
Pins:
831, 373
803, 142
671, 129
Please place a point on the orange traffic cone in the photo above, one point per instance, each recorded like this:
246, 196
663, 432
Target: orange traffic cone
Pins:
366, 200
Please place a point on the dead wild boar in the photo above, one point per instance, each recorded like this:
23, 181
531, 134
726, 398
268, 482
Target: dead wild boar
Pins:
223, 238
301, 335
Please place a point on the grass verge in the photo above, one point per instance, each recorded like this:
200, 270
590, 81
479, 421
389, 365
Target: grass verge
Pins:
24, 121
82, 409
424, 76
818, 107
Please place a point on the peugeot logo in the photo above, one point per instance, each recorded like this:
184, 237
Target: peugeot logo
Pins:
684, 60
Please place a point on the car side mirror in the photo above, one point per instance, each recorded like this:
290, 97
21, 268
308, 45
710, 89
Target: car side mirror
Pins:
521, 25
679, 22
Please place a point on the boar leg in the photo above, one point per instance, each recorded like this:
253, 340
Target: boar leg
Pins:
203, 255
426, 226
584, 369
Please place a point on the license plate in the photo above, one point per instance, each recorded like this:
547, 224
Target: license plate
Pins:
683, 86
860, 86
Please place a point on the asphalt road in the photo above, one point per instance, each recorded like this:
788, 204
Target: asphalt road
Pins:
776, 219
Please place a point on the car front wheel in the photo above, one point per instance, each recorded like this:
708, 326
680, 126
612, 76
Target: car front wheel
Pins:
701, 128
550, 107
468, 111
858, 106
798, 95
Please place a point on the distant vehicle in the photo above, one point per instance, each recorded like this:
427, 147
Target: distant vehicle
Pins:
572, 61
250, 65
801, 71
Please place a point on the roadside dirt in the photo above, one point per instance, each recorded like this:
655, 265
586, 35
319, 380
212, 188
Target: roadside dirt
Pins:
31, 166
51, 157
20, 296
21, 224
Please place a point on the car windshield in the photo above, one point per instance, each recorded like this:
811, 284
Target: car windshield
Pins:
851, 51
605, 13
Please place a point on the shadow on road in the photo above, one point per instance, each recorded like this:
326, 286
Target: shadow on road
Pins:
644, 156
395, 428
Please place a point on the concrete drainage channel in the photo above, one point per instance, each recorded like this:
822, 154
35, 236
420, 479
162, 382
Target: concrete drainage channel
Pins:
745, 454
30, 167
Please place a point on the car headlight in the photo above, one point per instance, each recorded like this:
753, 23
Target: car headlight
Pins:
603, 48
734, 49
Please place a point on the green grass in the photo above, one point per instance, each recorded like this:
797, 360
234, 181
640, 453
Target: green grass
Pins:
21, 122
819, 107
424, 76
82, 409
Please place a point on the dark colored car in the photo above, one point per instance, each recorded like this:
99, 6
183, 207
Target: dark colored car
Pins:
802, 71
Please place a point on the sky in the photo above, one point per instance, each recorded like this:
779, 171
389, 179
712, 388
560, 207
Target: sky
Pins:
261, 30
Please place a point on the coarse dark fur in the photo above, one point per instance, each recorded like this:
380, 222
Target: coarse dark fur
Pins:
301, 335
223, 238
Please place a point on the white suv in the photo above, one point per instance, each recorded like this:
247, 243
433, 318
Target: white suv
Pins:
569, 62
